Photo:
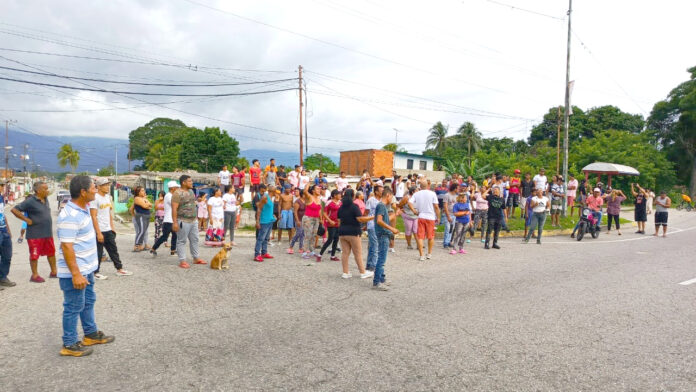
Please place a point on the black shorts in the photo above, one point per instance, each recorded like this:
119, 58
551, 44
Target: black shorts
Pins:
239, 191
661, 218
254, 188
513, 200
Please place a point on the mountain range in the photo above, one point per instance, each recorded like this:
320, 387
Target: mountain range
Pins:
99, 152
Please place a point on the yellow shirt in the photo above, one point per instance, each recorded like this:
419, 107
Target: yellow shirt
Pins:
268, 168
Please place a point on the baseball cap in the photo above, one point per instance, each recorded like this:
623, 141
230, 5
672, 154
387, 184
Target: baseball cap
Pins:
172, 184
597, 190
517, 171
102, 181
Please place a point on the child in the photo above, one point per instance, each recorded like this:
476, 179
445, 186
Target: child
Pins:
202, 212
384, 233
462, 211
528, 215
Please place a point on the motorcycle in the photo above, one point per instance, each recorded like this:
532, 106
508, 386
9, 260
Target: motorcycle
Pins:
588, 224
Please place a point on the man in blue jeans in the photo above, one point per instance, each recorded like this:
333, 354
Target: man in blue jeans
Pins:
448, 202
384, 233
77, 261
5, 243
264, 223
370, 207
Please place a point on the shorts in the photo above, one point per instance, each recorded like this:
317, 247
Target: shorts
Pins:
287, 220
254, 188
426, 229
239, 191
661, 218
45, 247
556, 206
571, 201
410, 226
513, 200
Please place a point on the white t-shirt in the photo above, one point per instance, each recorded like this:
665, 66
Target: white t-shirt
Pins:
341, 183
168, 208
224, 177
216, 211
294, 178
103, 206
540, 182
423, 200
400, 188
230, 201
543, 202
572, 192
304, 180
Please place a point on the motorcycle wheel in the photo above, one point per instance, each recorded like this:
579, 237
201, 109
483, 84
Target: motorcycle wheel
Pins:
595, 233
581, 232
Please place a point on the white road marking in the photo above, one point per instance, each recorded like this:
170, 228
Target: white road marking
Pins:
642, 237
688, 282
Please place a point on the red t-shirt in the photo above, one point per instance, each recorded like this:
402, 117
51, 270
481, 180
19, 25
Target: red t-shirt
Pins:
255, 175
238, 179
332, 211
515, 185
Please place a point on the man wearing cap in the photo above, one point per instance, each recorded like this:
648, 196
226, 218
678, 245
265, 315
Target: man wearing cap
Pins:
594, 203
5, 243
514, 195
101, 209
167, 222
39, 229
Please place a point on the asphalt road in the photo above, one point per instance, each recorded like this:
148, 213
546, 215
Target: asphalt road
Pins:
606, 314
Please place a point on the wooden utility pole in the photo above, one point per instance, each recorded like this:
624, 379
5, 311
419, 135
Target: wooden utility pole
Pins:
558, 142
566, 115
301, 106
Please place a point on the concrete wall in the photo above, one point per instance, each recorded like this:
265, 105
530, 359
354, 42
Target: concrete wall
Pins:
401, 162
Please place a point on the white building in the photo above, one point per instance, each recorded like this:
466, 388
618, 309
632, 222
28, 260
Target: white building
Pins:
406, 161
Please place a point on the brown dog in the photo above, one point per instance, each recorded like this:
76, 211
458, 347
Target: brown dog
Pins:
219, 262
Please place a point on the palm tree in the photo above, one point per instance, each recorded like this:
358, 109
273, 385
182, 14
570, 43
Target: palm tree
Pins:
468, 133
437, 138
68, 156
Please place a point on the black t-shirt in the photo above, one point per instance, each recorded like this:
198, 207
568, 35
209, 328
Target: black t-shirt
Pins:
281, 173
348, 214
527, 187
640, 202
40, 215
583, 188
495, 206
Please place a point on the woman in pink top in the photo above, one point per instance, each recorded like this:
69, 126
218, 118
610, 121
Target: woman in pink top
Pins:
312, 217
360, 201
614, 200
331, 218
481, 212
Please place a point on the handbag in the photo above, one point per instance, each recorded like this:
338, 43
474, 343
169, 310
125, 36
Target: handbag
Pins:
321, 230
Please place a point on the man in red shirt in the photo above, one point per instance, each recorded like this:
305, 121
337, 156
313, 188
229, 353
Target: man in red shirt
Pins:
514, 196
254, 177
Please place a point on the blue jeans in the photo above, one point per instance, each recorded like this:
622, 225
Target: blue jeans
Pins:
77, 304
447, 241
371, 249
537, 222
5, 254
264, 235
383, 245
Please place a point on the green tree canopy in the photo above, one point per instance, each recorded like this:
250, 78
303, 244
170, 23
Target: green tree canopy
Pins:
320, 162
68, 156
106, 171
393, 147
437, 138
140, 138
471, 138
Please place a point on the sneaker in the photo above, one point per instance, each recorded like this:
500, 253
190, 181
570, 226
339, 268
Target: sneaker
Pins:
75, 350
422, 258
482, 240
99, 276
153, 252
468, 241
392, 250
367, 274
37, 279
538, 242
462, 251
495, 246
572, 236
525, 241
20, 240
97, 338
267, 256
258, 258
172, 253
380, 287
335, 258
428, 256
347, 276
184, 264
486, 246
306, 255
123, 272
200, 261
290, 251
453, 252
409, 247
7, 283
318, 257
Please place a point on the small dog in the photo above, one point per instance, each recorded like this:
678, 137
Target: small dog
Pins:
219, 262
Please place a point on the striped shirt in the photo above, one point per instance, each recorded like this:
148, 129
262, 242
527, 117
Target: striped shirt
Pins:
75, 227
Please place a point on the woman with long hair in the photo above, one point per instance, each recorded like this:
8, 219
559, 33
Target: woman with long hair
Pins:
349, 231
141, 218
331, 218
312, 218
409, 214
159, 214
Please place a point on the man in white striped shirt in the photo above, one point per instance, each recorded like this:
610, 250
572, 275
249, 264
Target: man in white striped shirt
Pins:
77, 261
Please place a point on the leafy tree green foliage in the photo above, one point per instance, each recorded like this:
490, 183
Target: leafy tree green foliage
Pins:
320, 162
672, 126
585, 124
140, 138
473, 169
470, 137
106, 171
174, 147
393, 147
68, 156
437, 138
623, 147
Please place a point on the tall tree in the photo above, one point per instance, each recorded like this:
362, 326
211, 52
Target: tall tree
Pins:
471, 137
437, 138
393, 147
672, 124
140, 137
320, 162
68, 156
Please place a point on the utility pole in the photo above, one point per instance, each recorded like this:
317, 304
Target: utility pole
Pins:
558, 141
301, 105
396, 137
566, 115
7, 148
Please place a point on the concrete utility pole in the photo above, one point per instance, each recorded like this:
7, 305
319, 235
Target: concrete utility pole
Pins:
396, 137
566, 115
301, 105
558, 141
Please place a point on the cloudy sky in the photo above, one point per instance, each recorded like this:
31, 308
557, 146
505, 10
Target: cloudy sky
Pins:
371, 66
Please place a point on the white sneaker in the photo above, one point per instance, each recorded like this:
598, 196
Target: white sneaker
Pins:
123, 272
347, 276
392, 250
428, 256
422, 258
367, 274
380, 287
99, 276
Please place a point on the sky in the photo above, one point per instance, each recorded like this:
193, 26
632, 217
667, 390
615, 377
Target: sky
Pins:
375, 71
